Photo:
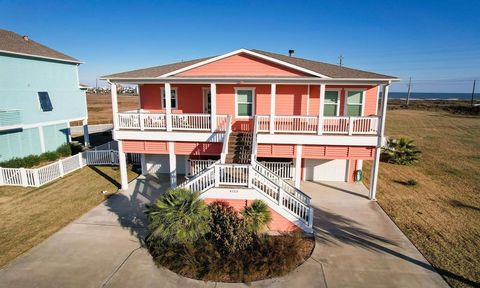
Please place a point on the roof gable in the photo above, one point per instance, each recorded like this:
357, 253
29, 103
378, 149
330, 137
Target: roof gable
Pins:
11, 42
243, 65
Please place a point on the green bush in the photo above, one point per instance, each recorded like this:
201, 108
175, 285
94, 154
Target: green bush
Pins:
400, 151
179, 216
257, 216
29, 161
411, 182
64, 150
228, 231
50, 156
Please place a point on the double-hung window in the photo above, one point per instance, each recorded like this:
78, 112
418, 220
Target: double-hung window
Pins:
330, 108
244, 99
354, 103
45, 102
174, 100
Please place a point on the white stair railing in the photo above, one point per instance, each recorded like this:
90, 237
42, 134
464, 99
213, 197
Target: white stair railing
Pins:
297, 193
228, 130
286, 196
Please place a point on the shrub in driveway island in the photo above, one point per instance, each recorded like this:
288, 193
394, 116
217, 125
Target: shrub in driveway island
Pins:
179, 216
400, 151
230, 249
257, 216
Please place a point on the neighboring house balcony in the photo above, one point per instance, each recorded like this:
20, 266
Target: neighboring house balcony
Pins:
10, 119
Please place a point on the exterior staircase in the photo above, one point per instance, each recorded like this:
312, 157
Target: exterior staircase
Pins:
279, 195
239, 148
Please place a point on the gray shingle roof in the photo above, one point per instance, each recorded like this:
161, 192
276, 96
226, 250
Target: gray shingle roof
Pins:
13, 42
330, 70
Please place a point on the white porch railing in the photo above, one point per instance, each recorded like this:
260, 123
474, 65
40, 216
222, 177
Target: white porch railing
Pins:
180, 122
329, 125
197, 166
284, 170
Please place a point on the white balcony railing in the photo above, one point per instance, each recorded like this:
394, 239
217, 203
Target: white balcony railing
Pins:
310, 125
158, 121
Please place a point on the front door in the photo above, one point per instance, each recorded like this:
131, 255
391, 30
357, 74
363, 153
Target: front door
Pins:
207, 101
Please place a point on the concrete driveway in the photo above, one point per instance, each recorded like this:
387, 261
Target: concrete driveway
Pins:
357, 245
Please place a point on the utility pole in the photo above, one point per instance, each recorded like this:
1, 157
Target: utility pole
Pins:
473, 91
340, 60
409, 89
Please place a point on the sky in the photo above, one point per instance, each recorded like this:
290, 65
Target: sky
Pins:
437, 43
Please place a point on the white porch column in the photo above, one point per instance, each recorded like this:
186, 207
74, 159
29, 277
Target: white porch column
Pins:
376, 158
122, 160
143, 164
168, 106
86, 136
321, 102
69, 128
273, 91
298, 166
213, 106
113, 91
172, 160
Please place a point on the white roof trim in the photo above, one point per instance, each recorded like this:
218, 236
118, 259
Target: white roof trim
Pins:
247, 52
42, 57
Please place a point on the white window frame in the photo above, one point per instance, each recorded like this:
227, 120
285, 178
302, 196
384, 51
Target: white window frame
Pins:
236, 102
345, 105
339, 103
205, 91
162, 97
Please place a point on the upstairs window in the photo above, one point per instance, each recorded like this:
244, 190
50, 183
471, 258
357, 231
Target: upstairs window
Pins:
173, 102
354, 103
244, 98
45, 102
330, 108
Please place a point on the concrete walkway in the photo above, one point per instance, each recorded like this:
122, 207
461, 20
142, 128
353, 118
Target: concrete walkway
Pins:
357, 245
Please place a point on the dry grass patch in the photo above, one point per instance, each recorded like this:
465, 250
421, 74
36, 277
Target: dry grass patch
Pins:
100, 106
30, 215
441, 214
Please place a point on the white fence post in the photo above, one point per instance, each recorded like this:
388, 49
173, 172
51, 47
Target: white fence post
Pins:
217, 176
23, 174
280, 195
112, 157
250, 175
36, 178
80, 160
1, 176
60, 168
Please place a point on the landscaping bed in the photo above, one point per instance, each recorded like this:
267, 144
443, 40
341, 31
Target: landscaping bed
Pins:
217, 243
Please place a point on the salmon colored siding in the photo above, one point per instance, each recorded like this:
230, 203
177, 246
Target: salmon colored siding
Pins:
276, 150
181, 148
337, 152
147, 147
278, 223
291, 100
352, 166
314, 99
242, 65
189, 97
198, 148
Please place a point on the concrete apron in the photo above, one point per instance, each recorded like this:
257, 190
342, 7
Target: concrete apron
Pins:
102, 248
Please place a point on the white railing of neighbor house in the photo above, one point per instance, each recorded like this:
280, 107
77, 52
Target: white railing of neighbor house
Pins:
35, 177
309, 125
283, 169
157, 121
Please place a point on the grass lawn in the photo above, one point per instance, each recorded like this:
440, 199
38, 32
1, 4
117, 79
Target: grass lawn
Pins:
30, 215
441, 214
100, 106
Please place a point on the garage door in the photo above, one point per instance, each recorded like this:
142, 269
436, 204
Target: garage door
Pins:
158, 164
325, 170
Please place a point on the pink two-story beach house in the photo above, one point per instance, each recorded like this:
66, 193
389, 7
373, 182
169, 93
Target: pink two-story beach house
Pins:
246, 124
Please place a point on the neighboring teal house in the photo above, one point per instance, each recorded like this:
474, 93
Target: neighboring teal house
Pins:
39, 96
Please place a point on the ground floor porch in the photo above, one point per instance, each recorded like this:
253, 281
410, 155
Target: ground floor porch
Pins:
357, 245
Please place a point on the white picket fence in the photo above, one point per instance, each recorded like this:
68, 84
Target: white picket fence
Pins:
36, 177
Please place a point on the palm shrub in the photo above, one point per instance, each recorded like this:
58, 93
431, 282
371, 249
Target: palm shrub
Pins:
179, 216
228, 231
401, 151
257, 216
